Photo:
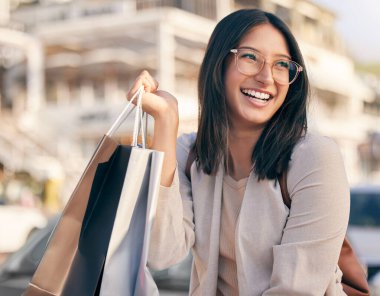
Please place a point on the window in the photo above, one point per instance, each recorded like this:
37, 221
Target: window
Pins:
284, 14
365, 208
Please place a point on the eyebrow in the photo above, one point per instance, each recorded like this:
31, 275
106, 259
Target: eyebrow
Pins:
277, 55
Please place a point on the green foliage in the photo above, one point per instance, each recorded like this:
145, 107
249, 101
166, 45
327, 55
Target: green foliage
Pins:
373, 68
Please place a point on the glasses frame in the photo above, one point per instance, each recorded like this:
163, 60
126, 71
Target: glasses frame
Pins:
235, 51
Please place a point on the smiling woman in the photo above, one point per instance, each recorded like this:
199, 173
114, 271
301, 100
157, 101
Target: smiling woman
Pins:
220, 196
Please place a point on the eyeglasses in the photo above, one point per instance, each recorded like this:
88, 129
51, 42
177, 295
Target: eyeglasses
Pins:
251, 62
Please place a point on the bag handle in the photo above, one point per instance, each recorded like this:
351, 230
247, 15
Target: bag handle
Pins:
138, 119
138, 124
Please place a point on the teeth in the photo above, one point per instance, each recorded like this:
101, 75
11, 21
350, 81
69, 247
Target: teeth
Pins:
256, 94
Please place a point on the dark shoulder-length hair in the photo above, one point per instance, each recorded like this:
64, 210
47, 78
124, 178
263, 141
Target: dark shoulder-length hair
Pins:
273, 149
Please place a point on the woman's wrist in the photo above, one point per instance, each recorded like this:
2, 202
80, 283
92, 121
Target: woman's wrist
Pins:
165, 132
167, 118
167, 113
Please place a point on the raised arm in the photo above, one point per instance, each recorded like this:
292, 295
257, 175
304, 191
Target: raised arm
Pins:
173, 230
163, 107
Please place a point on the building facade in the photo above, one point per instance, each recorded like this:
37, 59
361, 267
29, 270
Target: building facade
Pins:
65, 66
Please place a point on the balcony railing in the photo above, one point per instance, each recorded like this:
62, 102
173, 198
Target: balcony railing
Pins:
205, 8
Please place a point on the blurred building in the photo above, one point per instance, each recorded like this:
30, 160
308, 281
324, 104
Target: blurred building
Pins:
65, 66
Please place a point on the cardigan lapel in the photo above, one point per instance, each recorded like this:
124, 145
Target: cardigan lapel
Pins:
209, 287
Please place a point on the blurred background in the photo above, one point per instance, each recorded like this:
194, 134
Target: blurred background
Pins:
65, 66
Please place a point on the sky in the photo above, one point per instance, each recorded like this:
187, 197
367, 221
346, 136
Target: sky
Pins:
358, 22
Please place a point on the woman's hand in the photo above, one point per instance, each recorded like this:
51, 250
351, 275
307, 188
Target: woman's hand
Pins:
163, 107
159, 104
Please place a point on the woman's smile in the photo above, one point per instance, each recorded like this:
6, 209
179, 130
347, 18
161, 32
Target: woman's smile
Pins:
257, 94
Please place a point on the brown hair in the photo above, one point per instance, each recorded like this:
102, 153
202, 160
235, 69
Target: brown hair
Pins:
273, 149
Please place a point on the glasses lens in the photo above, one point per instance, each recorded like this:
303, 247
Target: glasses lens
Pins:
249, 62
284, 71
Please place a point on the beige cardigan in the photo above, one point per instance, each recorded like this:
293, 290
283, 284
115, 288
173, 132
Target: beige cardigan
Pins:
275, 254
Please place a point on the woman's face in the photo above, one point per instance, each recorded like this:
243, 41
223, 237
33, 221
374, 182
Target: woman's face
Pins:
245, 109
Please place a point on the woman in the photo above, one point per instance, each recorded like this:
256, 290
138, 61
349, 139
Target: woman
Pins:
253, 92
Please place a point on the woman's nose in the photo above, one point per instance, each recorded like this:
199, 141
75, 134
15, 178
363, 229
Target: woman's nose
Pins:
265, 75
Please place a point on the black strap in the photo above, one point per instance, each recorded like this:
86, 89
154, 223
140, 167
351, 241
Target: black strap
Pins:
282, 179
189, 162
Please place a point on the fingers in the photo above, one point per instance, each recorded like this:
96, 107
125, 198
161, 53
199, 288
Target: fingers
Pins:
156, 103
146, 80
152, 82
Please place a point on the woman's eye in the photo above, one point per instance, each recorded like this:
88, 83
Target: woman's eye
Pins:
282, 64
249, 56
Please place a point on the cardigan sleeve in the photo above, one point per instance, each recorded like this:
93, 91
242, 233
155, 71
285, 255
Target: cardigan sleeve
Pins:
172, 233
306, 260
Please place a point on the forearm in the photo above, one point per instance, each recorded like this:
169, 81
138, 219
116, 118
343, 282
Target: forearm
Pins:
172, 233
164, 139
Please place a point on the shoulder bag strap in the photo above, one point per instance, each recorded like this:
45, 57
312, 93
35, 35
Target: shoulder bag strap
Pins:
282, 180
189, 162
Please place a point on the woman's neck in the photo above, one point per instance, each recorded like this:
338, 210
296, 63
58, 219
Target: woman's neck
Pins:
241, 145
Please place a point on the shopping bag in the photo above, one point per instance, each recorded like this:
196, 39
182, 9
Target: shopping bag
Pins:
75, 256
125, 270
86, 268
56, 264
